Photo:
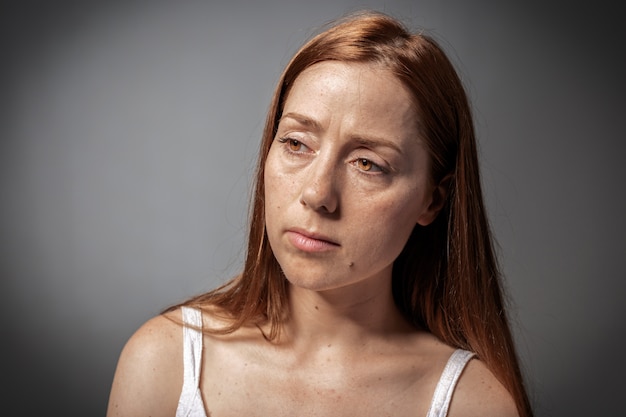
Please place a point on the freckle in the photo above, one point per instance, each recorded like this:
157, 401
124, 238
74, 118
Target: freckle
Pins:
317, 308
329, 345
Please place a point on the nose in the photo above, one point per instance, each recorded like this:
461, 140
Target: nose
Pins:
319, 190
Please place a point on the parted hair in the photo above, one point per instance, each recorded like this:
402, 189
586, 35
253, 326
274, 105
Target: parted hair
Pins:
446, 279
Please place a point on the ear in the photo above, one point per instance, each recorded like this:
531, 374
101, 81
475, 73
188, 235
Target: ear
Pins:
438, 200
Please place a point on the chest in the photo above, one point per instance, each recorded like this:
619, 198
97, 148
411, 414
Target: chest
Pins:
235, 387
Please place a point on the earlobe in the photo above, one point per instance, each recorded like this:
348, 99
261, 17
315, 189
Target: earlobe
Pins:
438, 200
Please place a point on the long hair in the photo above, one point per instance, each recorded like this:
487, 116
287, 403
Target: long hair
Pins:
446, 278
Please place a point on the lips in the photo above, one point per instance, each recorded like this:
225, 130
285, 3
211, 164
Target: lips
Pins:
310, 242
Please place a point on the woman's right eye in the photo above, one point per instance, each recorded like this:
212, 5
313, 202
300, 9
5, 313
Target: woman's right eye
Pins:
294, 145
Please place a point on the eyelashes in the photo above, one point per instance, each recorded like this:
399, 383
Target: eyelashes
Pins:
366, 165
295, 147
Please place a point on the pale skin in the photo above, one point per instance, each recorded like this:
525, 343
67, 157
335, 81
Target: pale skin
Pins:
346, 180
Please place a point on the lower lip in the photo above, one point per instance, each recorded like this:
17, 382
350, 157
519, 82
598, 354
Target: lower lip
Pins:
308, 244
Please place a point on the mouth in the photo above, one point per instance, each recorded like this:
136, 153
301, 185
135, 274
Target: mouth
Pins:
310, 242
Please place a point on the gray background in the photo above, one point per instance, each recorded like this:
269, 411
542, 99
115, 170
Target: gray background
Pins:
128, 137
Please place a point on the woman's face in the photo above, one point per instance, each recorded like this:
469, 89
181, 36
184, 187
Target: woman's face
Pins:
346, 177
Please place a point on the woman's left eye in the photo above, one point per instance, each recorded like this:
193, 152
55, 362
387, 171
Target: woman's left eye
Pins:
366, 165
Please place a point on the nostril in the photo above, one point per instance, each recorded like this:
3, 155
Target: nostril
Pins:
320, 196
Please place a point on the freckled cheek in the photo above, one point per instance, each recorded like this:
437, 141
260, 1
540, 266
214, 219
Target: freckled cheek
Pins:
272, 197
280, 192
398, 215
280, 184
391, 228
376, 240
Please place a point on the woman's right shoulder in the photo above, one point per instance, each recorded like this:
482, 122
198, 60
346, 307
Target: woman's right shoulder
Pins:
159, 337
149, 374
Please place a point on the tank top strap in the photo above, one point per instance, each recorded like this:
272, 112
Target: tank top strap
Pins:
190, 402
192, 344
447, 382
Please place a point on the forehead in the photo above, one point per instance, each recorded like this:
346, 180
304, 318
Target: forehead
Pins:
364, 96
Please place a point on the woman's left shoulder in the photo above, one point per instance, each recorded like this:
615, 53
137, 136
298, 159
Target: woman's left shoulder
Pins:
479, 393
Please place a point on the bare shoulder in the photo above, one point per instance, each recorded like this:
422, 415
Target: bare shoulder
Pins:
479, 393
149, 373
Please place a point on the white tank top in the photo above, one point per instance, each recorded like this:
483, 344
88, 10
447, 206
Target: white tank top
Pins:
190, 403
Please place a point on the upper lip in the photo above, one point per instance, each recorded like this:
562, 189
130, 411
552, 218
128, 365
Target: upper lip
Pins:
313, 235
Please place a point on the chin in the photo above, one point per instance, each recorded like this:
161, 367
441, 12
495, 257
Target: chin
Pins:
315, 282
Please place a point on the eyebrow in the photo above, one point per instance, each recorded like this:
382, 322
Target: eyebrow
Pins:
303, 120
376, 142
367, 141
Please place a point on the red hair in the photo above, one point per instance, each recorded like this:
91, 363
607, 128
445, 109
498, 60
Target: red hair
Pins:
446, 279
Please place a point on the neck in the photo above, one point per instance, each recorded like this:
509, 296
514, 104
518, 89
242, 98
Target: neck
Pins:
343, 317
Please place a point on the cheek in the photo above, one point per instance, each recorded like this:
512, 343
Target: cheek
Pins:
397, 209
270, 196
271, 179
279, 190
275, 188
397, 224
384, 226
397, 219
281, 183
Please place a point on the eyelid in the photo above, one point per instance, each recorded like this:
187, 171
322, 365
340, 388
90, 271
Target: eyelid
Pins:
290, 138
379, 167
287, 139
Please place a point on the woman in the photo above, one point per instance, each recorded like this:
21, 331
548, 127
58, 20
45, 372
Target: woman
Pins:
370, 285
